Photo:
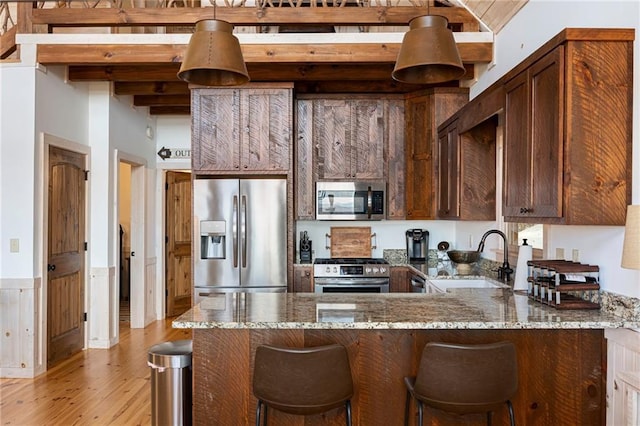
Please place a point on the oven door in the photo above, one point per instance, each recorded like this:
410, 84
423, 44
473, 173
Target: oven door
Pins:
351, 285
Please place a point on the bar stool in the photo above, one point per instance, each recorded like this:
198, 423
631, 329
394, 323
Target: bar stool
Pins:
464, 379
302, 380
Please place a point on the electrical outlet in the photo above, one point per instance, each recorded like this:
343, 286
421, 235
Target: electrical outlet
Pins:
14, 245
575, 255
559, 253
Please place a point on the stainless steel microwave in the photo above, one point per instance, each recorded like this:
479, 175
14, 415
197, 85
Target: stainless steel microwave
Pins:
350, 200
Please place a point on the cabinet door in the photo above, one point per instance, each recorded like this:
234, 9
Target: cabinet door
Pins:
534, 140
517, 147
367, 139
303, 279
304, 177
547, 130
332, 138
419, 158
448, 173
265, 129
399, 280
396, 160
215, 123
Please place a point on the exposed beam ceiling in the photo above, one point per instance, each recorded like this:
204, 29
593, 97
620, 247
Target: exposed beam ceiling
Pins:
315, 63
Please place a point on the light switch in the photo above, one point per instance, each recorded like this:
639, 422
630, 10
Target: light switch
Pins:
14, 245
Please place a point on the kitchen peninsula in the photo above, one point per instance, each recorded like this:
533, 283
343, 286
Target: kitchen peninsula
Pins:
561, 354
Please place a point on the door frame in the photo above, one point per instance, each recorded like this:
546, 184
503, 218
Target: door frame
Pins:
46, 141
137, 286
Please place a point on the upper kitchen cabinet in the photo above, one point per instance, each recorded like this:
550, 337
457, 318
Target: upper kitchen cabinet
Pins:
568, 119
424, 112
349, 138
467, 171
242, 130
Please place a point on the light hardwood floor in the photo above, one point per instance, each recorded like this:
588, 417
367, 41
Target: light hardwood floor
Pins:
94, 387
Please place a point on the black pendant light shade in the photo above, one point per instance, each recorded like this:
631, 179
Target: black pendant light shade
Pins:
428, 53
213, 56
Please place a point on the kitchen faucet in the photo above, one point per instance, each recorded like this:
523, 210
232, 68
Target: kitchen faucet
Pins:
505, 270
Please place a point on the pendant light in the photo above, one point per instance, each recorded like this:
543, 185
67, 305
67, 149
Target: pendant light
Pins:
428, 53
213, 56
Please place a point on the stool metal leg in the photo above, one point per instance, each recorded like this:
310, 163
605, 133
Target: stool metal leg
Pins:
348, 412
511, 414
258, 410
419, 413
407, 403
489, 417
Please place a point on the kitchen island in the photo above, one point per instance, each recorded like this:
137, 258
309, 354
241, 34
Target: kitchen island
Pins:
561, 354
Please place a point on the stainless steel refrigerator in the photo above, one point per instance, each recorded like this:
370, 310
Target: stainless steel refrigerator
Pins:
240, 236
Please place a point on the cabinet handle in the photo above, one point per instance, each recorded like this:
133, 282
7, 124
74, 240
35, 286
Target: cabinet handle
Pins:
524, 210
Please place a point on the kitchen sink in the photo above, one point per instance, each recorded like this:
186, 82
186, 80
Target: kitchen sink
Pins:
445, 284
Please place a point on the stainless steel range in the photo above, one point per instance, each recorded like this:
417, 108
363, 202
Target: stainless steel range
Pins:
351, 275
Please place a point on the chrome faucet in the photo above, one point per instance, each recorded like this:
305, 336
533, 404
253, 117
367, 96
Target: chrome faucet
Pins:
505, 270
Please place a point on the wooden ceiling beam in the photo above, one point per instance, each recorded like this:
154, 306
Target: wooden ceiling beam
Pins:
63, 54
157, 80
170, 110
157, 100
150, 87
247, 16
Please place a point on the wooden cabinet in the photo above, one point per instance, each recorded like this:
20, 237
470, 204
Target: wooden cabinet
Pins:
467, 172
395, 160
534, 103
568, 120
400, 279
349, 138
303, 278
242, 130
424, 112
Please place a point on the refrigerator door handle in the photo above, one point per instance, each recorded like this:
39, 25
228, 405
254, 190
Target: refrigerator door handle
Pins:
234, 231
243, 230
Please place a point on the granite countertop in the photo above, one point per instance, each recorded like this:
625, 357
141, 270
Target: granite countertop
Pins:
456, 309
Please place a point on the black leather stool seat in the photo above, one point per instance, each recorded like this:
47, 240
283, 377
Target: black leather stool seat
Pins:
302, 381
464, 379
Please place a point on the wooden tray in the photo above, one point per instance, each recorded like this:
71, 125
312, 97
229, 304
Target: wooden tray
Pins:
350, 241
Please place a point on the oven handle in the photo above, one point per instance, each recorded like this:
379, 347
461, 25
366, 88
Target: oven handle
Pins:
369, 282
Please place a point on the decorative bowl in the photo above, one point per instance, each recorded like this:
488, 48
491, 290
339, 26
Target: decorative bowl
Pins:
464, 256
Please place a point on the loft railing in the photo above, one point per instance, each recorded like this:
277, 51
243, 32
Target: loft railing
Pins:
180, 15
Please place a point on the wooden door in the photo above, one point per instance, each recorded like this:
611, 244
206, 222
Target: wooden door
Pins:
332, 138
66, 254
395, 160
266, 129
449, 173
547, 130
178, 243
215, 124
517, 148
304, 178
419, 197
367, 139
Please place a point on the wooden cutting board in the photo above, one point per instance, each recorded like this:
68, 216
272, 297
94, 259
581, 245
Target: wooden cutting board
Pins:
351, 241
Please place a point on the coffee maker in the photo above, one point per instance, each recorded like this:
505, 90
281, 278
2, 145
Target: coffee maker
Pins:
417, 245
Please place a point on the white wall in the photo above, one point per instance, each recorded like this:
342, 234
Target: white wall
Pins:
537, 22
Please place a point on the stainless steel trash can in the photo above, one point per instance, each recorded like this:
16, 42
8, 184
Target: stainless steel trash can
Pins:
170, 364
